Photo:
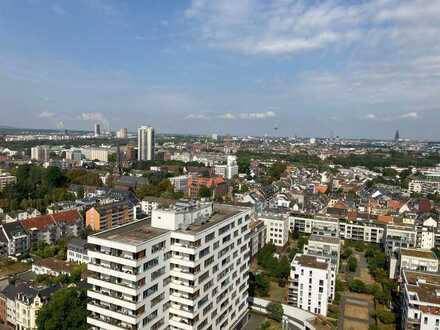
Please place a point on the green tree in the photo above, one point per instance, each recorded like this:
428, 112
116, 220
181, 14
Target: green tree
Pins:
352, 264
67, 309
204, 192
275, 311
386, 317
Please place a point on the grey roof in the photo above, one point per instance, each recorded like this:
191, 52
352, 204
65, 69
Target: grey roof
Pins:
77, 243
14, 228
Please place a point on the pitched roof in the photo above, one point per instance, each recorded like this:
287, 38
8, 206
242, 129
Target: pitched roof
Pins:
68, 217
42, 222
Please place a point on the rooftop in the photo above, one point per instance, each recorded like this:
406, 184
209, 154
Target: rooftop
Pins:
418, 253
310, 261
324, 239
134, 233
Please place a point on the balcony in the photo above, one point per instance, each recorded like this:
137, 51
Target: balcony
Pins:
105, 322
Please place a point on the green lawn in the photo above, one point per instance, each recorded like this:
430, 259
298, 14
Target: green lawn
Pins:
9, 268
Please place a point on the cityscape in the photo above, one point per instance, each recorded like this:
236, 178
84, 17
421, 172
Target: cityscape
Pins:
160, 170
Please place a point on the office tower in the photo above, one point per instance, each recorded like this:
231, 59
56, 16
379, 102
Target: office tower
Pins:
97, 129
40, 153
396, 136
214, 136
187, 270
122, 133
146, 140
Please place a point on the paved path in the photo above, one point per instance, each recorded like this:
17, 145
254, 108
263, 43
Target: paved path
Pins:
355, 312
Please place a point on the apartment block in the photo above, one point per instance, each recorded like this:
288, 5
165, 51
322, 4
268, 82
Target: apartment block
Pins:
7, 179
109, 215
413, 260
258, 236
188, 269
312, 283
14, 240
397, 237
40, 153
421, 301
277, 229
316, 225
324, 246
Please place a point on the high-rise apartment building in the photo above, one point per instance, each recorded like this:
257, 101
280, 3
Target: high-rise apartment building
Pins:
97, 129
146, 141
187, 270
40, 153
122, 133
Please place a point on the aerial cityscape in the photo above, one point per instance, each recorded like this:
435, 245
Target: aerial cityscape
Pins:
210, 165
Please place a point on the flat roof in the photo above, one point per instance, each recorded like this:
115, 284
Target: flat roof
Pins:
311, 261
418, 253
324, 239
412, 278
134, 233
220, 214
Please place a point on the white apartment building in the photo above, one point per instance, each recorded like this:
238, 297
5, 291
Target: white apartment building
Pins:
100, 154
277, 229
7, 179
319, 226
398, 236
421, 301
428, 184
229, 170
312, 283
324, 246
40, 153
413, 260
187, 270
146, 141
74, 155
122, 133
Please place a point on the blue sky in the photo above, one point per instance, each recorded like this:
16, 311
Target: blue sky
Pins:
310, 68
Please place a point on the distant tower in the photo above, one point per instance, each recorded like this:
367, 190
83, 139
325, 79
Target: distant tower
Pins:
146, 141
396, 136
97, 129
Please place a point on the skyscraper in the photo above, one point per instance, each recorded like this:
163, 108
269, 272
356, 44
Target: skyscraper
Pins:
396, 136
97, 129
146, 140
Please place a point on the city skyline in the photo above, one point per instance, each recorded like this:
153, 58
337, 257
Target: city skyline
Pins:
244, 68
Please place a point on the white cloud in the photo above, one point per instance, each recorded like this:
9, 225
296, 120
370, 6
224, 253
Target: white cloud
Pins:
46, 114
371, 116
410, 115
197, 116
248, 115
95, 117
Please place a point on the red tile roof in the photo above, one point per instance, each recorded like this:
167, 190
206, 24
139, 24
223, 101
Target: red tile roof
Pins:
42, 222
68, 217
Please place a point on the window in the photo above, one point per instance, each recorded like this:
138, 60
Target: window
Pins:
150, 291
149, 318
204, 252
209, 237
157, 247
157, 273
151, 263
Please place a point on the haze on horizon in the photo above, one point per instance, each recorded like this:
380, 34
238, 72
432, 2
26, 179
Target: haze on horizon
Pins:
310, 68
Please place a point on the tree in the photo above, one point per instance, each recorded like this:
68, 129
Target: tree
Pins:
275, 311
352, 264
386, 317
357, 286
204, 192
67, 309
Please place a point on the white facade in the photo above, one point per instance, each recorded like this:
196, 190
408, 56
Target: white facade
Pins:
40, 153
152, 278
421, 301
277, 229
122, 133
324, 246
312, 284
146, 141
75, 155
100, 154
6, 179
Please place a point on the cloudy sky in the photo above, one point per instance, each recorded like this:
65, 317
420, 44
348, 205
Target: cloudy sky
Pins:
356, 68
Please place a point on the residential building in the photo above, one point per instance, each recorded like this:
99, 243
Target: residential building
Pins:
7, 179
109, 215
189, 272
277, 229
51, 266
28, 302
100, 154
424, 184
314, 225
122, 133
413, 260
312, 283
258, 236
324, 246
14, 240
40, 153
180, 183
146, 143
150, 203
421, 301
228, 170
74, 155
77, 251
195, 183
399, 236
49, 228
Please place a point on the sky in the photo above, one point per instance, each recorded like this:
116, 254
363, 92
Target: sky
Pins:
353, 68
